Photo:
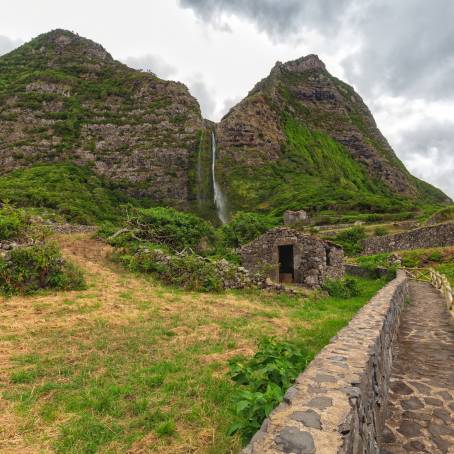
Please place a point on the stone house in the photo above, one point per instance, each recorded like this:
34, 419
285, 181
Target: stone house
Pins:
295, 217
289, 256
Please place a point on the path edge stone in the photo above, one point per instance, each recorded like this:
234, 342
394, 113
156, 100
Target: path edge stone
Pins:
346, 386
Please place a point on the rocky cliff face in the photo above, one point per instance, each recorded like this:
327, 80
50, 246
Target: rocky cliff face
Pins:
63, 97
278, 130
301, 139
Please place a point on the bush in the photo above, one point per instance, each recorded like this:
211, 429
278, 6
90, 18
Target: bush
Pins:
381, 231
187, 271
172, 228
245, 227
12, 223
36, 267
351, 240
443, 215
342, 288
265, 377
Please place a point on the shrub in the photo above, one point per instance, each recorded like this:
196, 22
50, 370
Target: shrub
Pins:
380, 231
13, 223
372, 262
351, 240
264, 379
187, 271
172, 228
342, 288
443, 215
40, 266
245, 227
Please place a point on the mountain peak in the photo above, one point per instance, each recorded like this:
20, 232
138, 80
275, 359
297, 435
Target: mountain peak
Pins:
65, 41
302, 64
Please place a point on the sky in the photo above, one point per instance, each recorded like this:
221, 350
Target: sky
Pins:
398, 54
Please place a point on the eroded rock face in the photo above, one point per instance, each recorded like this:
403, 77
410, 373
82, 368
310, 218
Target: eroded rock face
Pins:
80, 104
253, 132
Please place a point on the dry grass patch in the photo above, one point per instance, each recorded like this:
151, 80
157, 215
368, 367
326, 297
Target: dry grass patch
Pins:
128, 365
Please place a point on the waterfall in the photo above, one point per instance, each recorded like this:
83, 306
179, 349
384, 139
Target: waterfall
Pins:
219, 199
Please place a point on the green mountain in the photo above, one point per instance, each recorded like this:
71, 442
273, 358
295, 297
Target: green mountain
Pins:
64, 98
301, 139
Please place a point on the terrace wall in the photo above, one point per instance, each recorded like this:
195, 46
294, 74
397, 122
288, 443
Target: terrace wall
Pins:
439, 235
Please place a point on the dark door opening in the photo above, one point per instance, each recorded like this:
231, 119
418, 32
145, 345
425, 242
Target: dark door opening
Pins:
286, 270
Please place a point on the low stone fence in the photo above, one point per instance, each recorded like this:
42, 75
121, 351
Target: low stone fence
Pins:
376, 273
337, 404
441, 283
438, 235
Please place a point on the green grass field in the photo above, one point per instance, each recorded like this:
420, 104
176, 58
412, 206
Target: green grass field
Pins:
130, 366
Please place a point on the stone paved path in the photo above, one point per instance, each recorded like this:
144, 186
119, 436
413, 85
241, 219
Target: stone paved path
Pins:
420, 415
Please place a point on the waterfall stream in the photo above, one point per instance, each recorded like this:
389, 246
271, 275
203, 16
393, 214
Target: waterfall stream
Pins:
219, 199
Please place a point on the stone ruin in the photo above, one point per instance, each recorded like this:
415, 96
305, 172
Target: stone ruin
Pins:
295, 217
288, 256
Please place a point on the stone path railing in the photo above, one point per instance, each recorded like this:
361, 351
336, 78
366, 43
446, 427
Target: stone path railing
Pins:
337, 404
441, 283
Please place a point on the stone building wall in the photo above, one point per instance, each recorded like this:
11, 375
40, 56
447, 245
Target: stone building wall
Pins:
439, 235
337, 405
295, 217
314, 260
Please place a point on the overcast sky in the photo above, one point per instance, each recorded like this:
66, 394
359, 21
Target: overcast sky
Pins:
398, 54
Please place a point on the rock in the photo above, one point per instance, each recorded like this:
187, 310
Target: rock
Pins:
409, 428
145, 135
293, 440
309, 418
322, 403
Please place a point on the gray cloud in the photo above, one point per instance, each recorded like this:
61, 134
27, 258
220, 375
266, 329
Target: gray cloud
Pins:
153, 63
406, 46
407, 49
276, 17
204, 95
401, 48
8, 44
428, 150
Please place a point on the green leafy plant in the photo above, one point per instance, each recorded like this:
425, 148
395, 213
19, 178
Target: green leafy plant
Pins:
172, 228
264, 378
351, 240
13, 222
342, 288
36, 267
380, 231
185, 271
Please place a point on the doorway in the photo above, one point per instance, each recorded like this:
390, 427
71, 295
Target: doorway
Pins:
286, 268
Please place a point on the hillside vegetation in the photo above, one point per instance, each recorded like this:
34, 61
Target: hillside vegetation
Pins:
303, 139
74, 192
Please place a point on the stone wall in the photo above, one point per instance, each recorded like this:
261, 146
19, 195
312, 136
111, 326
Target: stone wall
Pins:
295, 217
337, 404
314, 259
376, 273
439, 235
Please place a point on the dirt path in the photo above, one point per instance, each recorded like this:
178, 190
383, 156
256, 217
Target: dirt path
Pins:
421, 408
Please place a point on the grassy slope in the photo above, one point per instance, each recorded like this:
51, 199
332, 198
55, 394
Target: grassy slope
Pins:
315, 173
133, 364
442, 259
74, 192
